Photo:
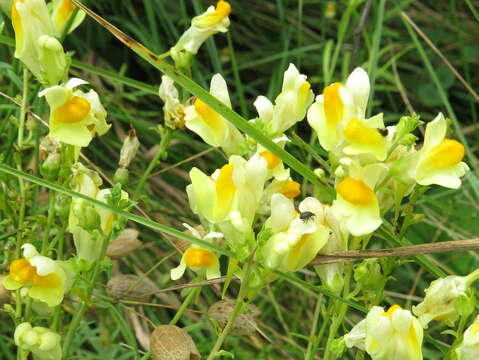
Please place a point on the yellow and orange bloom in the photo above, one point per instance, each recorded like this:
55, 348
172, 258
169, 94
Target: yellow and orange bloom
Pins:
394, 334
212, 21
211, 126
231, 193
356, 203
42, 342
469, 348
338, 117
290, 105
202, 261
296, 241
75, 116
43, 277
62, 12
440, 159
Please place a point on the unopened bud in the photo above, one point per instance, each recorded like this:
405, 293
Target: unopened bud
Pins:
51, 166
86, 214
62, 206
129, 287
53, 60
320, 173
169, 342
121, 176
124, 244
130, 146
244, 323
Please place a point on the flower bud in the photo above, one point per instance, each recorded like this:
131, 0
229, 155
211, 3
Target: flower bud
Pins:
86, 215
62, 206
244, 323
169, 342
124, 244
129, 149
42, 342
121, 176
51, 166
129, 287
53, 59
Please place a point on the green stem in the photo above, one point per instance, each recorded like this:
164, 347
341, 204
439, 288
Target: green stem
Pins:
312, 344
165, 140
236, 311
84, 304
51, 217
193, 293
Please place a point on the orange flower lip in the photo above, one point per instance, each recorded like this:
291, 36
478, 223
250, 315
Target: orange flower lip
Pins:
356, 192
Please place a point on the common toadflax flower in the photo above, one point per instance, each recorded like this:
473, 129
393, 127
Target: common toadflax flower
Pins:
75, 116
212, 21
62, 11
338, 117
290, 105
202, 261
469, 348
394, 334
44, 278
173, 110
356, 203
214, 129
296, 240
42, 342
439, 161
35, 42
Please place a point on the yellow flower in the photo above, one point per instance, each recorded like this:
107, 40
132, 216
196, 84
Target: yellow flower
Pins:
469, 347
202, 261
231, 193
290, 105
296, 241
440, 159
42, 342
75, 116
61, 14
35, 44
387, 335
212, 21
338, 117
44, 277
356, 203
211, 126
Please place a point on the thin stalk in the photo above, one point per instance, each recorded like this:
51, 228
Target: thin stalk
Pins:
193, 293
50, 218
236, 310
72, 328
164, 142
312, 344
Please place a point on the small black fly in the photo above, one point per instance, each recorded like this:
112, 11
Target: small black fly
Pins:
306, 216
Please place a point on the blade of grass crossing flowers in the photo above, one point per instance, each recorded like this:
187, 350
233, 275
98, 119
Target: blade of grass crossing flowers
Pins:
205, 96
133, 217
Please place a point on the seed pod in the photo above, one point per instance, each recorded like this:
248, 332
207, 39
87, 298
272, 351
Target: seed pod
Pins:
244, 323
169, 342
120, 287
124, 244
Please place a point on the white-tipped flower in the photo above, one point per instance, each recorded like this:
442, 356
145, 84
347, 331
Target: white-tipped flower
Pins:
75, 116
212, 21
173, 110
356, 203
62, 12
469, 347
441, 300
131, 144
44, 278
35, 44
440, 159
203, 262
392, 335
338, 117
290, 105
214, 129
298, 237
42, 342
